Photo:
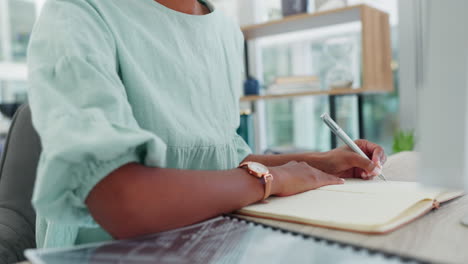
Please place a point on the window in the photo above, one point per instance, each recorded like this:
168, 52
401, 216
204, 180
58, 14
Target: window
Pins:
381, 111
17, 18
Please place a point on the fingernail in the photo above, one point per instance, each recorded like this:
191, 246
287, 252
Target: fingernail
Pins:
379, 164
363, 174
343, 180
377, 171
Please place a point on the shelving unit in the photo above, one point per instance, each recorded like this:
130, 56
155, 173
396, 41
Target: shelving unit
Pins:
13, 71
251, 98
376, 75
376, 56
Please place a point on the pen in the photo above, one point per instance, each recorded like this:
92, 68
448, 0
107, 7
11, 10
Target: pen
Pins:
343, 136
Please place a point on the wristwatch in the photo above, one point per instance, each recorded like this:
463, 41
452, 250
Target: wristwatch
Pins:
260, 171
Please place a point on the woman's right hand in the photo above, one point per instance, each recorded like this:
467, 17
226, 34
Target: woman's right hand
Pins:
296, 177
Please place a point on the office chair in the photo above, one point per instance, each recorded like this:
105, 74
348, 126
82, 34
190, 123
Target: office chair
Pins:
17, 176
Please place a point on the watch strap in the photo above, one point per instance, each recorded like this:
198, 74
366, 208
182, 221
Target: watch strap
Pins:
266, 178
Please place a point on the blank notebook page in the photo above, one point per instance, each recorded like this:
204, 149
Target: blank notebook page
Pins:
365, 205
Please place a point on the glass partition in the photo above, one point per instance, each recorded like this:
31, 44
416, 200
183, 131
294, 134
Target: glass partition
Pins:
17, 18
294, 123
324, 56
22, 18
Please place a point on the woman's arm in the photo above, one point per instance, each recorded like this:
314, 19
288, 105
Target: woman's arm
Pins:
342, 161
137, 200
313, 158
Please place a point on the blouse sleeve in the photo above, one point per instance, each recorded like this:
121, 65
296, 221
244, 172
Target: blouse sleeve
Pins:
80, 111
243, 150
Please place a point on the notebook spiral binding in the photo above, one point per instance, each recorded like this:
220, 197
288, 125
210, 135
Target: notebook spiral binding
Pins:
328, 241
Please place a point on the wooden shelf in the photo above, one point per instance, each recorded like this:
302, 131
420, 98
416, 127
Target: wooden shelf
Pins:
303, 22
251, 98
377, 75
13, 71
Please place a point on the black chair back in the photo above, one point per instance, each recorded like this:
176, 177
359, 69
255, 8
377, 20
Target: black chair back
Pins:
17, 176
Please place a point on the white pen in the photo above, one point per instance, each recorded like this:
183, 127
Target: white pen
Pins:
343, 136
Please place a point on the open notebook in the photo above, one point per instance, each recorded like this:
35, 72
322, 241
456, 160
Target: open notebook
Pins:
360, 206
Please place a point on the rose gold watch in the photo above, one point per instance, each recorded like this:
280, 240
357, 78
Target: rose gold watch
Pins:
260, 171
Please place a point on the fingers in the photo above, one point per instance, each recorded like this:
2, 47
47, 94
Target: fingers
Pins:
328, 179
297, 177
373, 151
369, 167
292, 162
366, 175
379, 157
321, 178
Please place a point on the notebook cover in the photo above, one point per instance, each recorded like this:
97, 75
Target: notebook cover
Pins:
434, 205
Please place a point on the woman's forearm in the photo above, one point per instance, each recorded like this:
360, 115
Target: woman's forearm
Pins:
316, 159
136, 200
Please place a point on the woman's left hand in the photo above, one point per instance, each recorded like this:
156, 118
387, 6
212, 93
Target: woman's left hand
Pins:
345, 163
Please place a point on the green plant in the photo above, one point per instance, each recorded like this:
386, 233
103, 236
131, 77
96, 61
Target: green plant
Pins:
403, 141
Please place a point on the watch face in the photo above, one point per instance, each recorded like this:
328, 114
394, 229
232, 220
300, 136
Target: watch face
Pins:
259, 168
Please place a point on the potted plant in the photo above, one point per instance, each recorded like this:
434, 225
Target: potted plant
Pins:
403, 141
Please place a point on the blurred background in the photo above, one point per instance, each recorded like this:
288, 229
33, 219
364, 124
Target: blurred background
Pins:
276, 125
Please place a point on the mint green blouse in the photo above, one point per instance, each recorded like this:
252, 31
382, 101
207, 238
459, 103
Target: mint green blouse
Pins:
113, 82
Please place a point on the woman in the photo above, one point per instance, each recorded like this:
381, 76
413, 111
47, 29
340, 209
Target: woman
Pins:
136, 104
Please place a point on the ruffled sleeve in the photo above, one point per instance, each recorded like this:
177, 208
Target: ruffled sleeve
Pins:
80, 111
243, 150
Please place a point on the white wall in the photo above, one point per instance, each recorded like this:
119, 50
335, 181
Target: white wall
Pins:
229, 7
389, 6
412, 59
243, 11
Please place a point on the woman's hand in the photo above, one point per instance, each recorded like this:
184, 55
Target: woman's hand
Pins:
345, 163
341, 162
296, 177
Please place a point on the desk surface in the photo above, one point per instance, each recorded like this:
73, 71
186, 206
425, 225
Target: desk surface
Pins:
436, 237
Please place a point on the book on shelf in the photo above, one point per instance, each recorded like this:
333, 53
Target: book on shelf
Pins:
294, 84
